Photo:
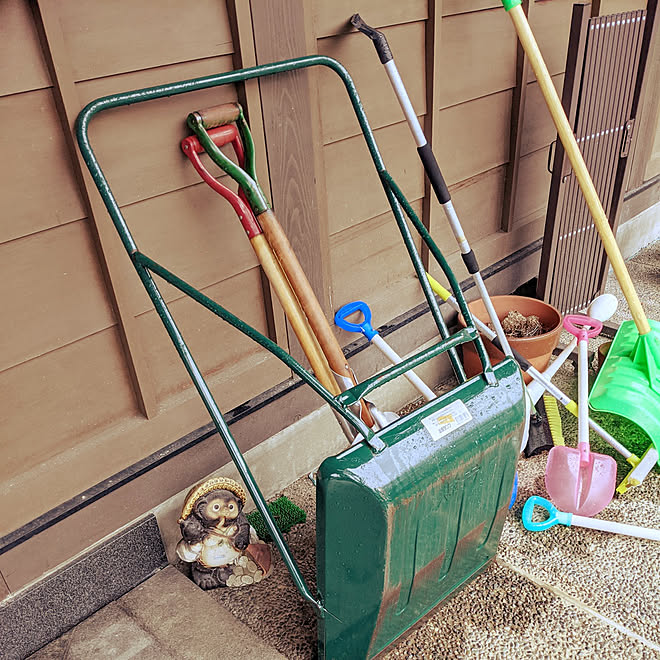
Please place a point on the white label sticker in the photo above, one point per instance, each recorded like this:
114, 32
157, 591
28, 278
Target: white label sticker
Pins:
447, 419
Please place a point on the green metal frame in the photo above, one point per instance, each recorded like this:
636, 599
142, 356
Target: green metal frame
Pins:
145, 266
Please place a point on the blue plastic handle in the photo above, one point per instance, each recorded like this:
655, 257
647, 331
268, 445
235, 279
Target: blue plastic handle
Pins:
364, 327
514, 491
555, 517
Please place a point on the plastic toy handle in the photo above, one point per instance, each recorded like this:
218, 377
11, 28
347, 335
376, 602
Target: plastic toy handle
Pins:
617, 528
364, 327
582, 326
585, 454
555, 517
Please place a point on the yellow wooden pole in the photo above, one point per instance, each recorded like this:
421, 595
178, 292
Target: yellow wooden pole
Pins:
309, 303
294, 313
567, 138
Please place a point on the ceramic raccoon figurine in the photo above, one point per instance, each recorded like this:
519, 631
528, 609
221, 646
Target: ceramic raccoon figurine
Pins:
216, 536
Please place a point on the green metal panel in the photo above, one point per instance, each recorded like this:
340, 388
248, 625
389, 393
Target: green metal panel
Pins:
399, 531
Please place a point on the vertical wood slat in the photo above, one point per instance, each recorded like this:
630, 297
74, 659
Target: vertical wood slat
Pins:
283, 30
68, 104
647, 87
572, 216
515, 135
240, 21
602, 73
616, 113
605, 112
561, 163
578, 238
648, 101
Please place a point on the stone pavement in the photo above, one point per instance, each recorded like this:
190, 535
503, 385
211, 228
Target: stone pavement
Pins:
167, 616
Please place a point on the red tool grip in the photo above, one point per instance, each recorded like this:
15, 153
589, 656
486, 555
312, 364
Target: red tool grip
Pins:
221, 136
192, 148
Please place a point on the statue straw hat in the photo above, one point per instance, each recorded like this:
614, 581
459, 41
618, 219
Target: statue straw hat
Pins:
216, 483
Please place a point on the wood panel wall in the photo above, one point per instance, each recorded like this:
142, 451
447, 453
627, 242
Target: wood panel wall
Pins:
88, 379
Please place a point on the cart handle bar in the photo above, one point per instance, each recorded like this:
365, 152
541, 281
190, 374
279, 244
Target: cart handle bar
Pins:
185, 86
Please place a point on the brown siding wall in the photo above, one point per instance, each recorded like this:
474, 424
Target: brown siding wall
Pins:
88, 379
367, 256
87, 373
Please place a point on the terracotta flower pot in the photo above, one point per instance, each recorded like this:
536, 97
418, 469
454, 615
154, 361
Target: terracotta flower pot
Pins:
536, 349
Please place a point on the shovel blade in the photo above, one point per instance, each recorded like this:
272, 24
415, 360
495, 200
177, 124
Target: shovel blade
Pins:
628, 383
581, 489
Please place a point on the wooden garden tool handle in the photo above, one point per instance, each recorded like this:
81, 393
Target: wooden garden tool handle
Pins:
218, 115
280, 268
565, 132
309, 302
294, 313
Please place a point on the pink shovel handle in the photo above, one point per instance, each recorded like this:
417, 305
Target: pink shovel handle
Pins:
585, 454
583, 327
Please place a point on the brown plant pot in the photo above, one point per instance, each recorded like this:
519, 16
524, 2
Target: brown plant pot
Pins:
536, 349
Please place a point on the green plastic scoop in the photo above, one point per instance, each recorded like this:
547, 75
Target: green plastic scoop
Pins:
628, 383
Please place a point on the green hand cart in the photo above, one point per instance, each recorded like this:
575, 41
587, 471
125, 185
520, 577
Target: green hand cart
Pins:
415, 510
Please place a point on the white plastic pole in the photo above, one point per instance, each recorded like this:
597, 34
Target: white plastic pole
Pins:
394, 357
616, 528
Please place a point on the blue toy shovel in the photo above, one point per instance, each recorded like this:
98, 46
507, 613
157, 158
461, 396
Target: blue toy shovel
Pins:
556, 517
372, 335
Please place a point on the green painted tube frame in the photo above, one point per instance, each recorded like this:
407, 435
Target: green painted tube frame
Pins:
146, 266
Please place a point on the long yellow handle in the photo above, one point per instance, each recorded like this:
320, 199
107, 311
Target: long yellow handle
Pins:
575, 156
309, 303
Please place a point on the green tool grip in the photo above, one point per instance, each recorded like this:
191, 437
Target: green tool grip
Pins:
510, 4
219, 115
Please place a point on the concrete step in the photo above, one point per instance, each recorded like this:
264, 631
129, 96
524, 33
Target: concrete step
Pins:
167, 616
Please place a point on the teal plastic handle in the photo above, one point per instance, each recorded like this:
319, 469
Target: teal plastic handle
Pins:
555, 517
510, 4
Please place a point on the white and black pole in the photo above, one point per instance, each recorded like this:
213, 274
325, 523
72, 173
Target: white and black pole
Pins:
433, 172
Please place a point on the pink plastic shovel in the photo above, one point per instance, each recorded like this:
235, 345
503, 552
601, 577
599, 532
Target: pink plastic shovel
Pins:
578, 480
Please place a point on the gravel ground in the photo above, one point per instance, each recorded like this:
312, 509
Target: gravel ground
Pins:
564, 593
548, 595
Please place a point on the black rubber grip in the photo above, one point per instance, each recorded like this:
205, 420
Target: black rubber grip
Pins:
470, 261
522, 361
433, 172
379, 39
